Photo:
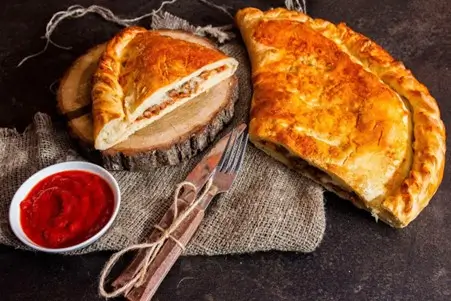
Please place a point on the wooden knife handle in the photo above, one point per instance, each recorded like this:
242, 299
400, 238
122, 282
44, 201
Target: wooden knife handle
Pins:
168, 255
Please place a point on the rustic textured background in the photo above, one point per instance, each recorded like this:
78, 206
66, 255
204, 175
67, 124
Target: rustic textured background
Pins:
358, 259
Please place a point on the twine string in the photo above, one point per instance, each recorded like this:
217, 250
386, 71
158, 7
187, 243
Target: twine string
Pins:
223, 8
152, 248
299, 5
78, 11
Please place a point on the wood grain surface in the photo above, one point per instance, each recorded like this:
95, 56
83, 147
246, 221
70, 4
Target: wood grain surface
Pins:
177, 136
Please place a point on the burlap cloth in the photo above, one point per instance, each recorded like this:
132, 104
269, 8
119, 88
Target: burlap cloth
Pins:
268, 208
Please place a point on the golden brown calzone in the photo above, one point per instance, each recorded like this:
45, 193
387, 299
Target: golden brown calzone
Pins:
144, 75
333, 104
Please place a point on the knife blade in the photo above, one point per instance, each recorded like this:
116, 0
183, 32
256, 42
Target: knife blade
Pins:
198, 176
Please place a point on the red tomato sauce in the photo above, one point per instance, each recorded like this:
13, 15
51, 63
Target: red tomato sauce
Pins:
66, 208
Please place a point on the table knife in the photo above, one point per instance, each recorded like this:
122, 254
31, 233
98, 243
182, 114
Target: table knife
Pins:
198, 176
220, 182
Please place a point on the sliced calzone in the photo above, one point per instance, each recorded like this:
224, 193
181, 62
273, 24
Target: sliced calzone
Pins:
144, 75
334, 105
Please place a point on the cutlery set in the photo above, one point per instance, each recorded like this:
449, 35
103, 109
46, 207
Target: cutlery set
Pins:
212, 176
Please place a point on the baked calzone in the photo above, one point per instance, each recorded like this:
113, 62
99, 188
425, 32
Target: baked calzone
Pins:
333, 104
143, 75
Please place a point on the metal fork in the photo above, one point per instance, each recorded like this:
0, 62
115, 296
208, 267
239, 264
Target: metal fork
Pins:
221, 181
228, 166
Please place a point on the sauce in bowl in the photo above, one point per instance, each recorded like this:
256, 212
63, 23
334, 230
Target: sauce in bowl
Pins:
66, 208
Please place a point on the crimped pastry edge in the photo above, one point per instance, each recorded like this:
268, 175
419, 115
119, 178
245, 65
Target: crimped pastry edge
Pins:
429, 147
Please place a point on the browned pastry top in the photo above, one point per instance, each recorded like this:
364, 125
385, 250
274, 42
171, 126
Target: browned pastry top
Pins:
340, 102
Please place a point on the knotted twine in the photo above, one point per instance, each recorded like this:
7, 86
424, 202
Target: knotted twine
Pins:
152, 248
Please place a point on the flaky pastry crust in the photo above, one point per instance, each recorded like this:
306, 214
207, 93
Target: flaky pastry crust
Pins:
139, 64
331, 97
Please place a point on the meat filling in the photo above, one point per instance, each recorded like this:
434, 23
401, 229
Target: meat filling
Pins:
188, 88
316, 174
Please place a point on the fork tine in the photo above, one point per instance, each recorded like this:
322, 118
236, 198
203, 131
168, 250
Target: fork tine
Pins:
230, 159
234, 154
242, 151
227, 151
238, 154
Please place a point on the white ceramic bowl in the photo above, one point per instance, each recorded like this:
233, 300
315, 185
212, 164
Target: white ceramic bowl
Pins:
22, 192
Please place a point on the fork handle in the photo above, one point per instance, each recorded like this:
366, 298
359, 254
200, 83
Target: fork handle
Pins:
169, 253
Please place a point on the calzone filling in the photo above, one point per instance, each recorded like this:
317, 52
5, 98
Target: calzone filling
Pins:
285, 156
185, 90
169, 98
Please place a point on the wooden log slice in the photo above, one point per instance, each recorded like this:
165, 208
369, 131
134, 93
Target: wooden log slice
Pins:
172, 139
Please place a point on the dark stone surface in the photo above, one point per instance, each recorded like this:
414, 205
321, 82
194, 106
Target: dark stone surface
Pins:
358, 259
